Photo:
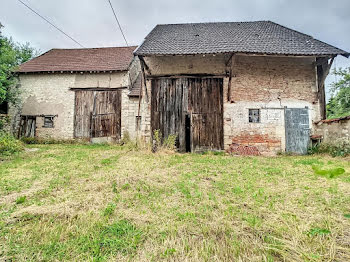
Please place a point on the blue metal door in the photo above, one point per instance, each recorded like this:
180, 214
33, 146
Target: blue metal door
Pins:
297, 130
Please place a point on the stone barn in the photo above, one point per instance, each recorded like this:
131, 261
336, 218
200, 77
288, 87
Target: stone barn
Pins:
247, 87
89, 93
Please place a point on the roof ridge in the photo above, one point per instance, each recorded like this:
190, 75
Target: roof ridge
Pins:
89, 48
226, 22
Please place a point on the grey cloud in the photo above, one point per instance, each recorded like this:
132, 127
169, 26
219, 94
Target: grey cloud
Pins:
91, 22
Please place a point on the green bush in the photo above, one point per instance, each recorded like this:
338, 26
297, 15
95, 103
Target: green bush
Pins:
4, 122
9, 144
338, 148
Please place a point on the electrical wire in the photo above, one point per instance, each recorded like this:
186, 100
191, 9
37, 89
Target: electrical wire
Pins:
46, 20
116, 18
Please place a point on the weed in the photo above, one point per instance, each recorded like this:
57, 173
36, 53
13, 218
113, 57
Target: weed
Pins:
20, 200
330, 173
109, 209
318, 231
121, 236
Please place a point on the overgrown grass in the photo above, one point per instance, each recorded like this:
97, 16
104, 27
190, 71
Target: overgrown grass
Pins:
101, 203
337, 148
9, 144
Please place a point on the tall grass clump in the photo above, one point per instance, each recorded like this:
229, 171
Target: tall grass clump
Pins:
160, 143
9, 144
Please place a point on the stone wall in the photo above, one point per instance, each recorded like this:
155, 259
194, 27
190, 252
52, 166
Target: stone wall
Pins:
333, 130
258, 82
51, 94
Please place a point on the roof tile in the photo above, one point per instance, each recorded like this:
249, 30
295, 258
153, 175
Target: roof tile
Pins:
84, 59
264, 37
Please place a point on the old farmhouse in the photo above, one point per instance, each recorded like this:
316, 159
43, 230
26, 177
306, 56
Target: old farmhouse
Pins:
79, 93
248, 87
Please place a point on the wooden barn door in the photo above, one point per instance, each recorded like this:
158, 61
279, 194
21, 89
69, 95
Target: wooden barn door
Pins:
169, 107
205, 102
197, 102
97, 114
27, 126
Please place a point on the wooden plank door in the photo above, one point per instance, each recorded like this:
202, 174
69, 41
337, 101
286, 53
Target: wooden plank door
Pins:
201, 99
205, 103
168, 105
297, 130
27, 126
97, 114
106, 114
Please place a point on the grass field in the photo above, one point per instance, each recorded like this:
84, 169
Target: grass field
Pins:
99, 202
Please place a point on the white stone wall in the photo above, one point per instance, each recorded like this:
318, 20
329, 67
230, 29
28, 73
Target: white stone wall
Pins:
51, 94
333, 131
130, 109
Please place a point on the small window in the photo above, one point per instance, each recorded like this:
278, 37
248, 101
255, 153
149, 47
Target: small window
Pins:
254, 115
48, 121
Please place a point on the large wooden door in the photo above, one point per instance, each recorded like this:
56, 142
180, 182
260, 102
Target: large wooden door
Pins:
205, 102
198, 102
97, 114
297, 130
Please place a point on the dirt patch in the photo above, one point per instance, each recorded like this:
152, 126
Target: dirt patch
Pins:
11, 198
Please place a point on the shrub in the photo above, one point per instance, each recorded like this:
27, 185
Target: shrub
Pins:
9, 144
338, 148
4, 122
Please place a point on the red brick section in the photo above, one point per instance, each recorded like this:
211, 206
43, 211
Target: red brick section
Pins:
266, 79
236, 149
252, 144
85, 59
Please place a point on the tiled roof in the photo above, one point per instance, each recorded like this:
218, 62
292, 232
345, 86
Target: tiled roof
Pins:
261, 37
84, 59
344, 118
135, 88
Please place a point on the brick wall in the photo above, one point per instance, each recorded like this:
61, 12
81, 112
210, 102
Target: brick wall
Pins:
258, 82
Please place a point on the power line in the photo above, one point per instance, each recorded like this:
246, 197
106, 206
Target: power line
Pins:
35, 12
116, 18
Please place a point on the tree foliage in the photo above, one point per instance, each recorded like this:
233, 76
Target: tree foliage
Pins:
12, 54
339, 104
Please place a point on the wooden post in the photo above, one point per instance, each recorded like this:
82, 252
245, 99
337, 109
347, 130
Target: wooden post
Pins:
230, 63
323, 68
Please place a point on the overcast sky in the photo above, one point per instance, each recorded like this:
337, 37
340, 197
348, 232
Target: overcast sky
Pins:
91, 22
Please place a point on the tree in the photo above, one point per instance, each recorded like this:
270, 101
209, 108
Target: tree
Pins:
339, 104
11, 55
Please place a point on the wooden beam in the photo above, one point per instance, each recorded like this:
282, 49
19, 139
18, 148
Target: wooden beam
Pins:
145, 65
323, 67
96, 88
188, 76
144, 76
231, 65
